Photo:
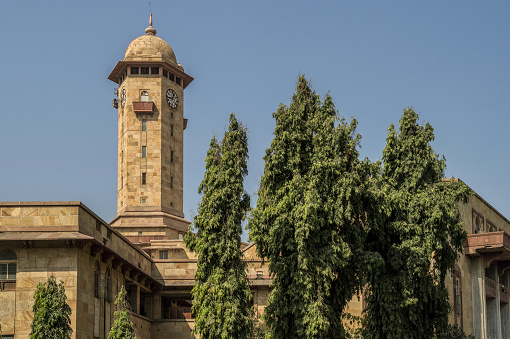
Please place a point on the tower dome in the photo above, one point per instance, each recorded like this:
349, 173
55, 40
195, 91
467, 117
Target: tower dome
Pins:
149, 47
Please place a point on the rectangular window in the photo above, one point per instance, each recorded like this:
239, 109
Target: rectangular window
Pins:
144, 178
171, 182
143, 200
154, 70
140, 233
144, 70
3, 271
163, 254
144, 125
171, 156
144, 151
121, 182
178, 80
134, 70
98, 225
171, 130
165, 73
171, 76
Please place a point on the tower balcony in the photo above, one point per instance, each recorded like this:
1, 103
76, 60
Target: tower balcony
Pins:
143, 107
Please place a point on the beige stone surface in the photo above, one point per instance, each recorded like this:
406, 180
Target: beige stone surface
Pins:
173, 329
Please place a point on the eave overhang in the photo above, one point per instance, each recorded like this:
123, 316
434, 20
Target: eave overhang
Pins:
121, 66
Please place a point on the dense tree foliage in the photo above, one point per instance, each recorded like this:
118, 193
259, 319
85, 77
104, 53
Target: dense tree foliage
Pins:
418, 237
51, 311
222, 301
310, 217
122, 327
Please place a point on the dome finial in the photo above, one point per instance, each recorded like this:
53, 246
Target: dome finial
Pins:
150, 30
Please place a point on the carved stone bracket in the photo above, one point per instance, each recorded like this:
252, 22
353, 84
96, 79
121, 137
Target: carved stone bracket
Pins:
105, 256
488, 258
94, 249
116, 262
71, 243
125, 269
503, 266
134, 274
28, 244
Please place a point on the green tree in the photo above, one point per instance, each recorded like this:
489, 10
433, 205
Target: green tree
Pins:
122, 327
310, 217
222, 301
51, 311
418, 237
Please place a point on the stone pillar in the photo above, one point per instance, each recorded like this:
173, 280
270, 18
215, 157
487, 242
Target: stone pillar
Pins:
505, 310
137, 299
157, 311
479, 306
493, 309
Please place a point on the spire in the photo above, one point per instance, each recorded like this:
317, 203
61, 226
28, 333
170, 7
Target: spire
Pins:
150, 30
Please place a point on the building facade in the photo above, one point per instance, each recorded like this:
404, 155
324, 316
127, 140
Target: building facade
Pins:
142, 248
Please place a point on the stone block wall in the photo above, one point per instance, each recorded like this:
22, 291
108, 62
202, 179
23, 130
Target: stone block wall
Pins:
36, 265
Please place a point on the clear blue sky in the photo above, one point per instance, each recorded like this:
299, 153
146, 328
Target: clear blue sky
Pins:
58, 130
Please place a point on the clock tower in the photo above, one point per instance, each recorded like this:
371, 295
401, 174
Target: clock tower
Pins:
150, 139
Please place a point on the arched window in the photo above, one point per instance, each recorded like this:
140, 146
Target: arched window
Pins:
144, 96
96, 280
108, 285
8, 261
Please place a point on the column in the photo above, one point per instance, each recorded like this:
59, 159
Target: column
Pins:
493, 310
479, 306
505, 310
156, 314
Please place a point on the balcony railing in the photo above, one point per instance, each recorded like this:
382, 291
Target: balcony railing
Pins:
180, 312
143, 106
490, 288
503, 294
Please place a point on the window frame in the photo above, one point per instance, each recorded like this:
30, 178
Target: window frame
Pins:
477, 216
10, 260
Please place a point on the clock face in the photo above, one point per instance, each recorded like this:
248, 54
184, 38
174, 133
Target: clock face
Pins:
172, 98
123, 97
